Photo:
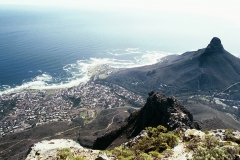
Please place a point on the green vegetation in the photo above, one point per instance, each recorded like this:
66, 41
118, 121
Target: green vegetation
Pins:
210, 148
83, 114
230, 137
148, 147
158, 139
159, 143
65, 153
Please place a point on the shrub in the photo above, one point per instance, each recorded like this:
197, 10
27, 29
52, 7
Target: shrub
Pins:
155, 154
230, 137
157, 141
215, 153
210, 142
78, 158
212, 149
121, 153
144, 156
65, 153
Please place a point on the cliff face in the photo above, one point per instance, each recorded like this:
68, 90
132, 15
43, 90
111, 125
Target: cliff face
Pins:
159, 110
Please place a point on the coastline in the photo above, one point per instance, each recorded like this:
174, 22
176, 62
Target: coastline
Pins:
93, 72
82, 71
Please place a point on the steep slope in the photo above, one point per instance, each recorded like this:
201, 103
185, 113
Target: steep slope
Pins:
211, 68
159, 110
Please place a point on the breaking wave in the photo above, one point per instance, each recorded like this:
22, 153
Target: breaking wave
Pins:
77, 72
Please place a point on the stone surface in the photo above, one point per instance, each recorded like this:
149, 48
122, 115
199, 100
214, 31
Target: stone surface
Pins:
102, 156
48, 150
191, 133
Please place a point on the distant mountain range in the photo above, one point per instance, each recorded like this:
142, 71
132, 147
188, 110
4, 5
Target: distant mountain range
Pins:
205, 70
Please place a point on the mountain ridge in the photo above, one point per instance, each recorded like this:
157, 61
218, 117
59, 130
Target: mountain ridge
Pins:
211, 68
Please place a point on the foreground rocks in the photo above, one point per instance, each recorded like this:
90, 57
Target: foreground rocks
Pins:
49, 149
161, 110
227, 139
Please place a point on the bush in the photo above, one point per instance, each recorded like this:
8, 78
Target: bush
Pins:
77, 158
155, 154
121, 153
158, 139
230, 137
215, 153
212, 149
148, 147
144, 156
65, 153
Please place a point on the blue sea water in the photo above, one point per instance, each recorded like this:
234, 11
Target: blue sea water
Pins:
44, 48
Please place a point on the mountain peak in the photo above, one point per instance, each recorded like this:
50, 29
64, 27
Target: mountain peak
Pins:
158, 110
215, 46
215, 41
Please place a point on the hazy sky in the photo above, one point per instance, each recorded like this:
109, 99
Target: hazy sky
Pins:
211, 17
225, 9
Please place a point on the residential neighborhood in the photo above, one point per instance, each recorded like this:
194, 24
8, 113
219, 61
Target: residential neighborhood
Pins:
37, 107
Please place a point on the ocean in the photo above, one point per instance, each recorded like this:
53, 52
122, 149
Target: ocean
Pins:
43, 48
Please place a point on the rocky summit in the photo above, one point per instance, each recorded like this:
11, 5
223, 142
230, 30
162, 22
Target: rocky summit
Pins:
215, 46
158, 110
58, 149
162, 110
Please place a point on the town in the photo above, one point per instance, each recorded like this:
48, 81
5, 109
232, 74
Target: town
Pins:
37, 107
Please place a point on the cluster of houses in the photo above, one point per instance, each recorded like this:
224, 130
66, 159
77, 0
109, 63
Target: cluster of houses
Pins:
37, 107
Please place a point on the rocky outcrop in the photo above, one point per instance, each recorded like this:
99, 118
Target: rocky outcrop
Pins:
215, 46
159, 110
225, 140
49, 149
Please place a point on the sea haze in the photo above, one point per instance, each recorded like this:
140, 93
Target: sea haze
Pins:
46, 48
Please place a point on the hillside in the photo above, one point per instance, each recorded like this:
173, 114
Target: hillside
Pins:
208, 69
162, 129
16, 145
